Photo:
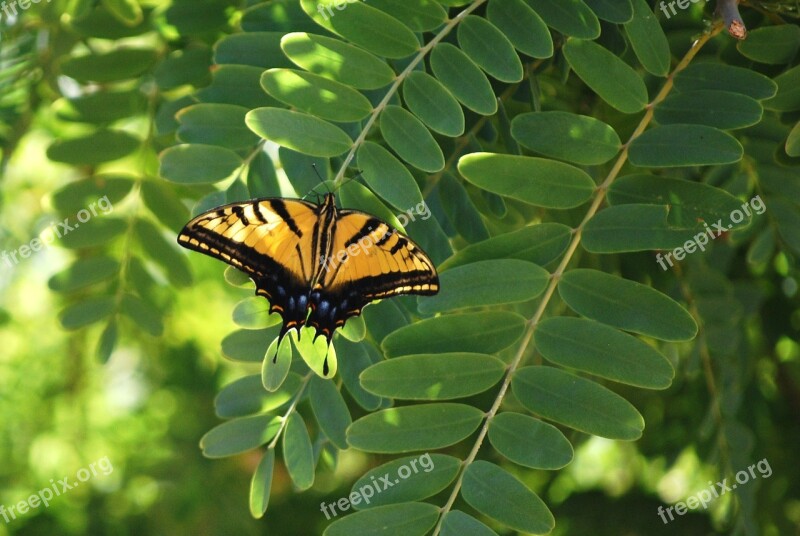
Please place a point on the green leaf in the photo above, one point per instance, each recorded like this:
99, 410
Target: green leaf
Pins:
486, 332
249, 345
163, 253
107, 342
636, 227
409, 428
318, 355
330, 410
253, 313
460, 209
146, 316
187, 66
96, 232
411, 478
364, 26
126, 11
465, 80
91, 20
259, 49
626, 304
513, 434
407, 519
457, 523
275, 365
298, 131
261, 484
198, 164
707, 75
316, 95
771, 44
86, 312
101, 107
793, 141
787, 218
165, 204
246, 396
538, 181
429, 100
601, 350
387, 176
720, 109
221, 125
617, 11
540, 244
486, 283
354, 195
239, 435
354, 329
690, 202
410, 139
522, 26
84, 273
433, 376
575, 138
612, 79
80, 194
648, 40
276, 16
570, 17
336, 60
102, 145
419, 15
489, 48
496, 493
577, 402
104, 67
684, 145
355, 360
236, 84
787, 99
297, 453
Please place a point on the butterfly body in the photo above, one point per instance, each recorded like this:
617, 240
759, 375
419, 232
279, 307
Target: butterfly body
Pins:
316, 264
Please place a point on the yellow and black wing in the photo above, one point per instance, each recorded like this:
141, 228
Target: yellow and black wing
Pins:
368, 260
272, 240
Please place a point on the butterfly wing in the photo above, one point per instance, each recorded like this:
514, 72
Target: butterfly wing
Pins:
368, 260
270, 239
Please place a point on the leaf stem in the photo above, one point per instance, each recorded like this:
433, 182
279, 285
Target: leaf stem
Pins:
452, 23
292, 408
556, 276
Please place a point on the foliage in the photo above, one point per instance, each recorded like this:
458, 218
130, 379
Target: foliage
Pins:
558, 145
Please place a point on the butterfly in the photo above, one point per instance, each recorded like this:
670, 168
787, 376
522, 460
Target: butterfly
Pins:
316, 264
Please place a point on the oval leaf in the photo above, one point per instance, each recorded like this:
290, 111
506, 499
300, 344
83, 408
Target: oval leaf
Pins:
626, 304
577, 402
433, 376
486, 283
409, 428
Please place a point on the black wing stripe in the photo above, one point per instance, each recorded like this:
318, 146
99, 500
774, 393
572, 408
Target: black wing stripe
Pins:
369, 226
401, 243
239, 212
279, 207
385, 238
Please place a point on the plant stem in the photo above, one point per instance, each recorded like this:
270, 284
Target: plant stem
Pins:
292, 408
376, 112
556, 276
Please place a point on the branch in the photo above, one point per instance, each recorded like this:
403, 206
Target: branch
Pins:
452, 23
729, 11
555, 278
